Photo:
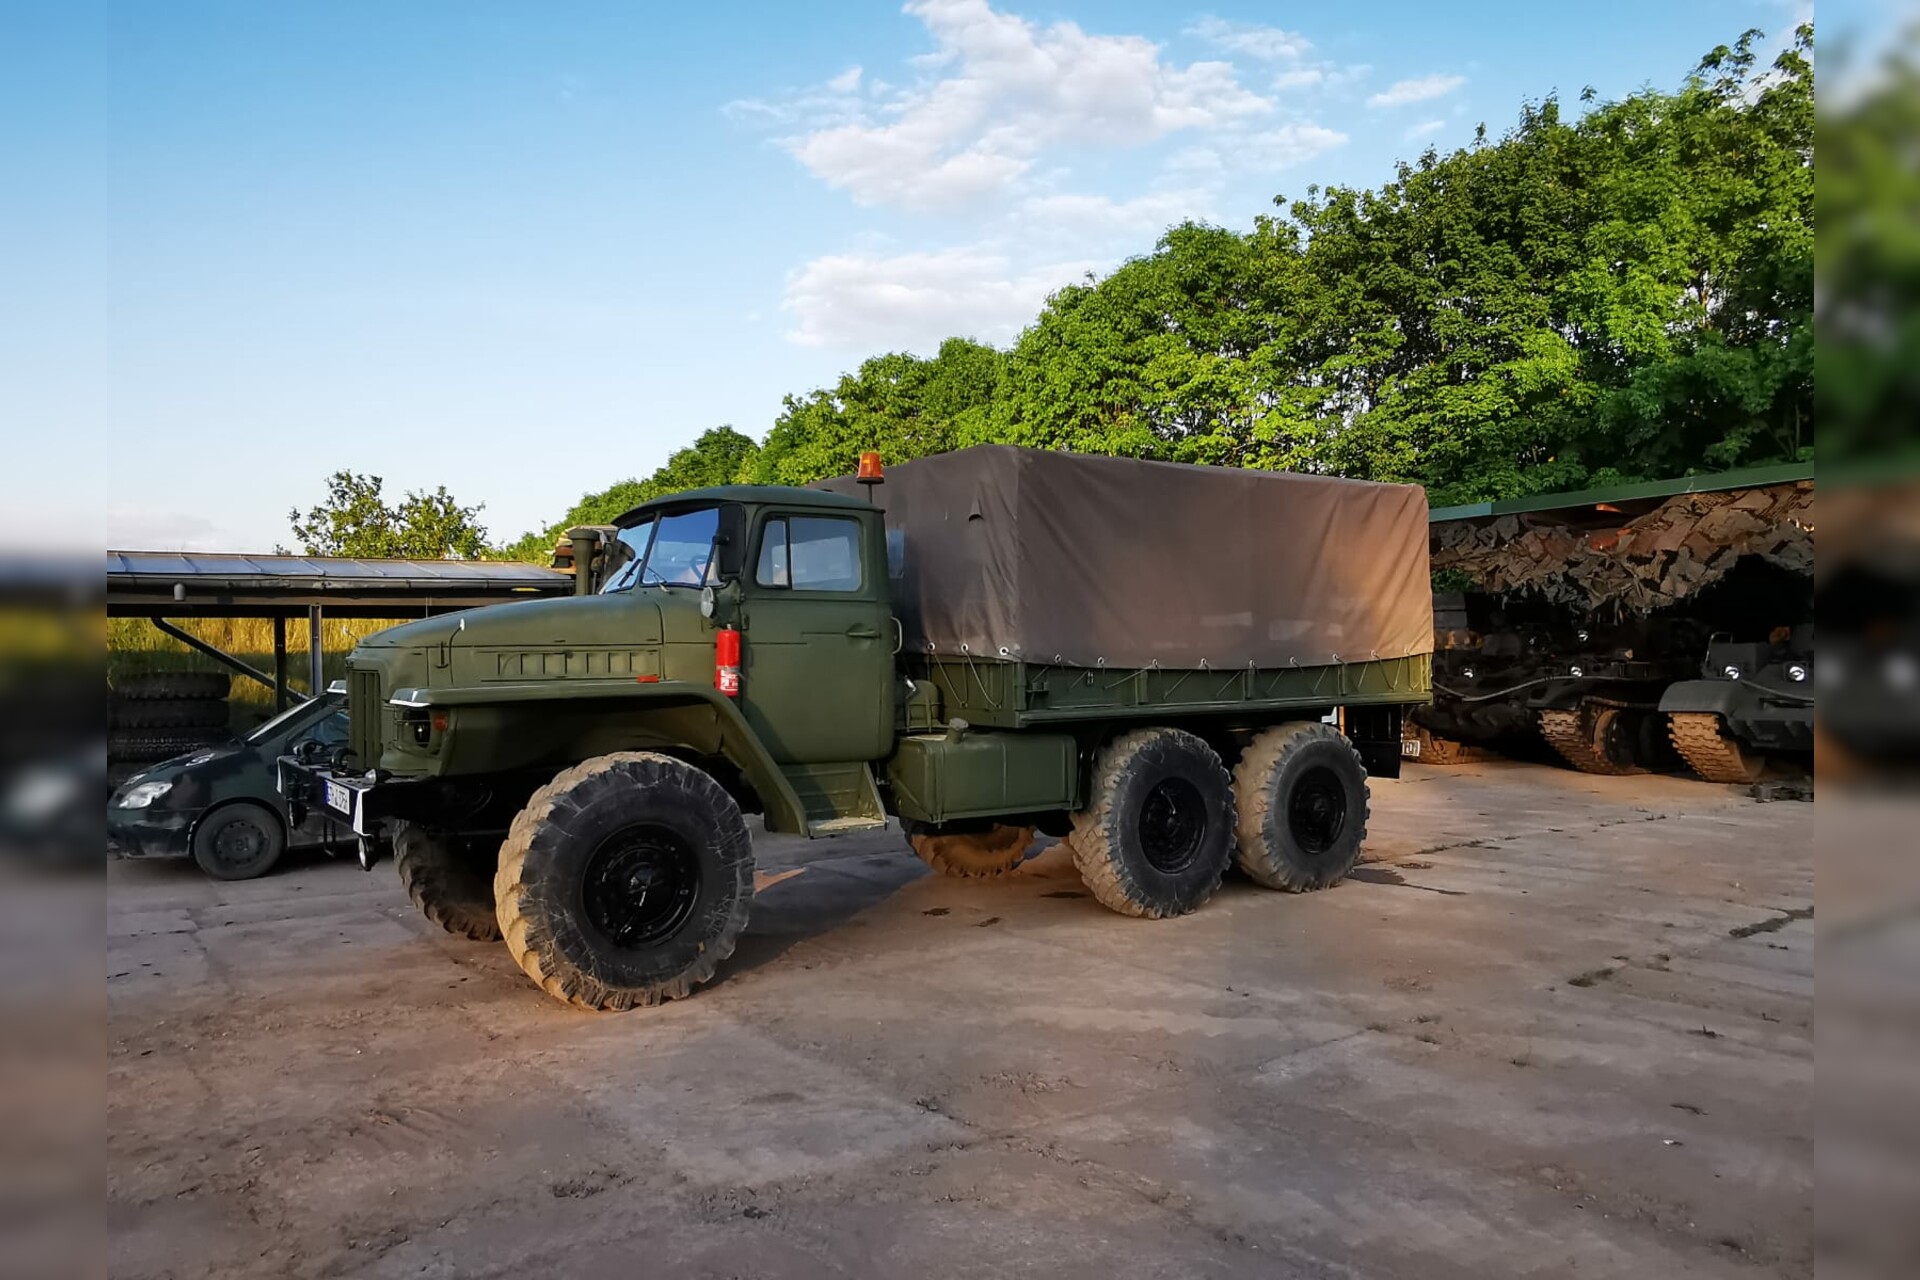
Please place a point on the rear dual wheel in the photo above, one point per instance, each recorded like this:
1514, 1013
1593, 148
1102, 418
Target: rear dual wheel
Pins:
1302, 794
1158, 834
1166, 818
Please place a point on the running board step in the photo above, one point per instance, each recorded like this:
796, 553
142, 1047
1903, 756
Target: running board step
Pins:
838, 798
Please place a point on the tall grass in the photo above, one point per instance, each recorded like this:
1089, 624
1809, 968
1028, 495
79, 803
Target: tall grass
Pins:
135, 645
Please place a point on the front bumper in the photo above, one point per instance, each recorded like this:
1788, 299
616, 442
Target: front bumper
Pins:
360, 800
149, 833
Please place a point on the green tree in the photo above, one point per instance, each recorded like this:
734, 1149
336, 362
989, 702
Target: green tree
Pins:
356, 520
720, 456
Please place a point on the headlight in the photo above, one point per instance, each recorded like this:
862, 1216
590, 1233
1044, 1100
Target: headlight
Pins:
1581, 635
1796, 673
1467, 672
144, 794
1576, 671
1730, 671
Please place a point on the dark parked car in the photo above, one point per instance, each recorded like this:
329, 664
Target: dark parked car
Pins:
220, 804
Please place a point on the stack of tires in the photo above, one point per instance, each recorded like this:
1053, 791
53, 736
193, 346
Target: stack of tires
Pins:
161, 715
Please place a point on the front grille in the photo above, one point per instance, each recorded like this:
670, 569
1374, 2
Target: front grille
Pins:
366, 714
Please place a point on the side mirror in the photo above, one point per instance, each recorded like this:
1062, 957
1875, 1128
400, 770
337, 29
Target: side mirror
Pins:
729, 543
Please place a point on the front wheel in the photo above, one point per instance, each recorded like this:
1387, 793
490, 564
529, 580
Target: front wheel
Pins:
994, 850
447, 880
239, 841
625, 881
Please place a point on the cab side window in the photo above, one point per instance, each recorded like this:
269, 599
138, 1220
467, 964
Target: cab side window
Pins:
810, 553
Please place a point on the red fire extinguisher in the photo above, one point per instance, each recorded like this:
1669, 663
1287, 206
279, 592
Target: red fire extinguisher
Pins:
726, 661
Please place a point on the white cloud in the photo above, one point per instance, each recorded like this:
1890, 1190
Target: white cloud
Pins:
1269, 44
847, 81
1000, 91
913, 301
1300, 78
1421, 89
1087, 216
1426, 128
1263, 151
1286, 146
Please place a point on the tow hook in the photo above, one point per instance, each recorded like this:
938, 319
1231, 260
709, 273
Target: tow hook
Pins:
368, 854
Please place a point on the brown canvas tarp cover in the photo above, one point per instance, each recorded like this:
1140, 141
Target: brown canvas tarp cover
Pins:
1043, 557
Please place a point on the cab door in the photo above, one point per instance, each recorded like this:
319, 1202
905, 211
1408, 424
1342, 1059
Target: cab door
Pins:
818, 637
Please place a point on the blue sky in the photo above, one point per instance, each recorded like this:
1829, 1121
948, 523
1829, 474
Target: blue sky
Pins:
525, 250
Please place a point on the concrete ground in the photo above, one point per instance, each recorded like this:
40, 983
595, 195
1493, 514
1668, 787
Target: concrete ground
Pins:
1557, 1025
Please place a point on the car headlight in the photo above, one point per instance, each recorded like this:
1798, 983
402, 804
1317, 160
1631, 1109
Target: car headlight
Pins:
1576, 671
1730, 671
143, 794
1468, 672
1796, 673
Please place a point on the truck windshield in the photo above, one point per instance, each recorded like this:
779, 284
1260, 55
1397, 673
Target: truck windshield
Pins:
675, 550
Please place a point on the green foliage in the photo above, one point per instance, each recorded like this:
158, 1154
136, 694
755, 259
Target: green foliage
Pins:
901, 405
1623, 295
720, 456
355, 520
1869, 228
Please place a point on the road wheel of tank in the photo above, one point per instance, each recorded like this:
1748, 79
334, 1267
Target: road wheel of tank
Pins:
1157, 835
194, 685
168, 713
1708, 751
1445, 751
1593, 739
449, 881
625, 881
977, 855
239, 841
1301, 794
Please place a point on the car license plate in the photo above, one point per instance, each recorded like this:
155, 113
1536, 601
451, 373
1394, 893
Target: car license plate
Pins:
1410, 747
339, 798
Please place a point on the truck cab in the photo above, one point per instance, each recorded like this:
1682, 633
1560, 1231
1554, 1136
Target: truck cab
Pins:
790, 584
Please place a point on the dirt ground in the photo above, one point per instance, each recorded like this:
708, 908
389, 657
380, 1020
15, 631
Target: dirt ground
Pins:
1558, 1025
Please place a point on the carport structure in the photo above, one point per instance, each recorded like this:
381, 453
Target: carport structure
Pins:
163, 585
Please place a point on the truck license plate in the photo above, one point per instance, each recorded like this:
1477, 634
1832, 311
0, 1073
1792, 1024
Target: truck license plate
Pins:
1410, 747
339, 798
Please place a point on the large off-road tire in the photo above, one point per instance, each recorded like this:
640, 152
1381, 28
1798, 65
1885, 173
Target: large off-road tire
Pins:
1301, 794
984, 854
168, 713
1709, 751
197, 685
147, 747
449, 879
239, 841
1157, 833
625, 881
1592, 738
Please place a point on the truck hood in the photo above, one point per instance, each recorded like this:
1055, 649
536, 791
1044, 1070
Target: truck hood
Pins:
570, 620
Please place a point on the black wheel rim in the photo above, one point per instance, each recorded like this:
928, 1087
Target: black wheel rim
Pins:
1317, 811
1173, 822
240, 843
641, 885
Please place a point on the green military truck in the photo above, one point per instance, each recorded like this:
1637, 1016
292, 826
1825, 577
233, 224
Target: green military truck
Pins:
1142, 659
